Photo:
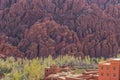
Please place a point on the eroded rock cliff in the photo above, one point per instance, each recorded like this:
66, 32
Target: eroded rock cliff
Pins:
34, 28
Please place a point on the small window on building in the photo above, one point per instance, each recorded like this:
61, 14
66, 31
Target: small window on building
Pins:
101, 68
114, 68
107, 74
102, 74
114, 75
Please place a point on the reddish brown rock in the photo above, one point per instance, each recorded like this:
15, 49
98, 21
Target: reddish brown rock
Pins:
53, 27
9, 50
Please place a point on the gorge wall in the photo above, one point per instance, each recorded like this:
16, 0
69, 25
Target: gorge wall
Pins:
34, 28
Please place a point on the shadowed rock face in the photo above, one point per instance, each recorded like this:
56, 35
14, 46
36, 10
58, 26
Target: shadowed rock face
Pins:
7, 3
35, 28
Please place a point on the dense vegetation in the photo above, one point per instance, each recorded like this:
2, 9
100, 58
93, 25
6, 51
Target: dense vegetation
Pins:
24, 69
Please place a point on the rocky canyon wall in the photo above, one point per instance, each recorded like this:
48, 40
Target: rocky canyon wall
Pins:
35, 28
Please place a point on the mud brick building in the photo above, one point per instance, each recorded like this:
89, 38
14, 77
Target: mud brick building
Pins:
52, 70
65, 73
109, 70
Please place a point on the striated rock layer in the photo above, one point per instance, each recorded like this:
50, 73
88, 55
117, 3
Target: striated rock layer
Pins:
35, 28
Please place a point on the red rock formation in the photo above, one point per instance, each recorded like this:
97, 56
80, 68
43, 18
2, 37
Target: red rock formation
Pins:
77, 27
9, 50
6, 3
49, 37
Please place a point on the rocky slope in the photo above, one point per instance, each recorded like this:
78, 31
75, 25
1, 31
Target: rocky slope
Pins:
35, 28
